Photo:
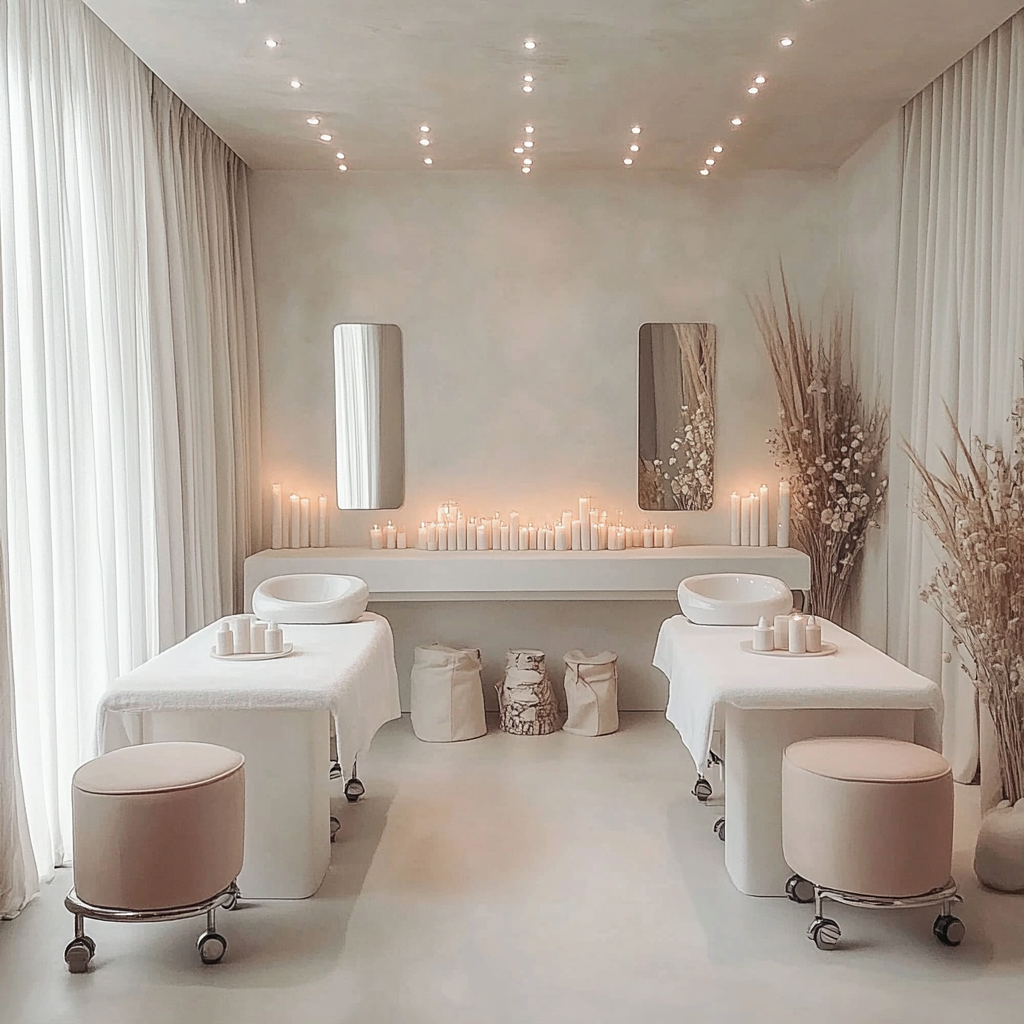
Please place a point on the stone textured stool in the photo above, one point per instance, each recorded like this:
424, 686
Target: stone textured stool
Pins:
868, 821
158, 835
447, 697
526, 701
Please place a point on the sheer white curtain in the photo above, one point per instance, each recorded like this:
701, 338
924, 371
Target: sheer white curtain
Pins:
959, 333
130, 380
357, 386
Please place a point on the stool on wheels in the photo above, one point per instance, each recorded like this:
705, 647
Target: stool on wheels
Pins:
868, 822
158, 836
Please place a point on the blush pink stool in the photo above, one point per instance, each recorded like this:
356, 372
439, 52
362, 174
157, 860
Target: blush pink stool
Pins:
868, 822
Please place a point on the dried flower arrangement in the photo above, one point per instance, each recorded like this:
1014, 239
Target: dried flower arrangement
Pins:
829, 444
977, 515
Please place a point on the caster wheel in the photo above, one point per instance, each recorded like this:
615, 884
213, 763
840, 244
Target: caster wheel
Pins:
78, 953
335, 770
799, 890
212, 946
702, 790
824, 933
354, 789
231, 902
948, 930
335, 827
720, 829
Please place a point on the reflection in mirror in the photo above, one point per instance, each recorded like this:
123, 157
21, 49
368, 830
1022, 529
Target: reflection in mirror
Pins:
677, 417
370, 415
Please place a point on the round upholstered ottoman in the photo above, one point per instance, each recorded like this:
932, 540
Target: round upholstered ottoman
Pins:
158, 835
868, 821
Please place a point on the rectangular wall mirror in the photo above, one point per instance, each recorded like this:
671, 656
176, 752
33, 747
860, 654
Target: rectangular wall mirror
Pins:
676, 463
370, 408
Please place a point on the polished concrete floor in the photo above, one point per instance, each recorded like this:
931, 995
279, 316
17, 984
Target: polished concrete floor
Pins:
517, 880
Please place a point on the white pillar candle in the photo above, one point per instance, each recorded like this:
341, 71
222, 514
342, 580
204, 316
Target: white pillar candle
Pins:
550, 537
669, 534
734, 519
604, 517
781, 632
755, 519
762, 533
460, 533
784, 499
560, 536
585, 524
648, 536
258, 638
421, 537
442, 536
496, 531
584, 508
797, 635
321, 521
241, 630
812, 636
390, 536
506, 539
659, 537
594, 541
629, 536
577, 535
483, 540
524, 538
293, 533
453, 535
745, 521
602, 536
303, 522
431, 536
567, 521
276, 516
513, 530
401, 540
442, 514
376, 537
532, 533
471, 531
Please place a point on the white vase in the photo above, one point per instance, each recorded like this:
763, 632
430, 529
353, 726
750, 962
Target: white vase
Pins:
999, 855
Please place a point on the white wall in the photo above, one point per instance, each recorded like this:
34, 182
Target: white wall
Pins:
520, 299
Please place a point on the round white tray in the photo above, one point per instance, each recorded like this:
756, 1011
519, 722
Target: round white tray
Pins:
826, 649
288, 648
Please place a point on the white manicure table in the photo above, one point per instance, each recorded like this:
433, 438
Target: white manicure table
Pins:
278, 714
762, 704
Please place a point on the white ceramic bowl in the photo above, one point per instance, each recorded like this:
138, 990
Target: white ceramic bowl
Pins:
733, 599
310, 597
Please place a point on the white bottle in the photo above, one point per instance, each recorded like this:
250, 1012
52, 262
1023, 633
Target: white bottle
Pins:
813, 636
273, 639
259, 638
240, 626
225, 640
764, 636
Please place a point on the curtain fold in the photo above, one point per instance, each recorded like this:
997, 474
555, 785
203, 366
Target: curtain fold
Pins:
131, 389
959, 331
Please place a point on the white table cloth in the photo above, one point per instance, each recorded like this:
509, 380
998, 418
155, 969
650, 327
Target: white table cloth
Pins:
346, 669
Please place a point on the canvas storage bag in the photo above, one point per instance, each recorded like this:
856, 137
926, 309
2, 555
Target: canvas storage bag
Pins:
447, 699
591, 693
526, 700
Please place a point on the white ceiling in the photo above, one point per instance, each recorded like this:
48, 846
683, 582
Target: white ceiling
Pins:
378, 69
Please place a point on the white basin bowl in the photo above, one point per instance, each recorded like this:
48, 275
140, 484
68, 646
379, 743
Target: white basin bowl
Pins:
733, 599
314, 597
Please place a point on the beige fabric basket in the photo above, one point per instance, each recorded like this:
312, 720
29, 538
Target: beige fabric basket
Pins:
591, 693
447, 699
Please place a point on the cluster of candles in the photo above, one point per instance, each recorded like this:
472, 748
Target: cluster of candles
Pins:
299, 531
748, 518
589, 531
244, 634
798, 634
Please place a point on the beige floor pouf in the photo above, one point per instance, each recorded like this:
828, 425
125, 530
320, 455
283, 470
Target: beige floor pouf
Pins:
447, 699
526, 701
868, 821
158, 835
591, 693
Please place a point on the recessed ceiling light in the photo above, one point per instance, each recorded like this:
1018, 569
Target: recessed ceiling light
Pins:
342, 167
519, 149
295, 83
634, 148
628, 161
753, 90
326, 137
527, 88
716, 149
527, 162
529, 129
785, 41
424, 127
760, 80
636, 129
527, 78
710, 161
528, 143
704, 171
272, 44
737, 121
340, 156
313, 120
239, 1
525, 170
427, 160
529, 44
424, 142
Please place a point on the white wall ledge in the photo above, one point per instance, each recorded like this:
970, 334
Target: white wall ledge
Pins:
638, 574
